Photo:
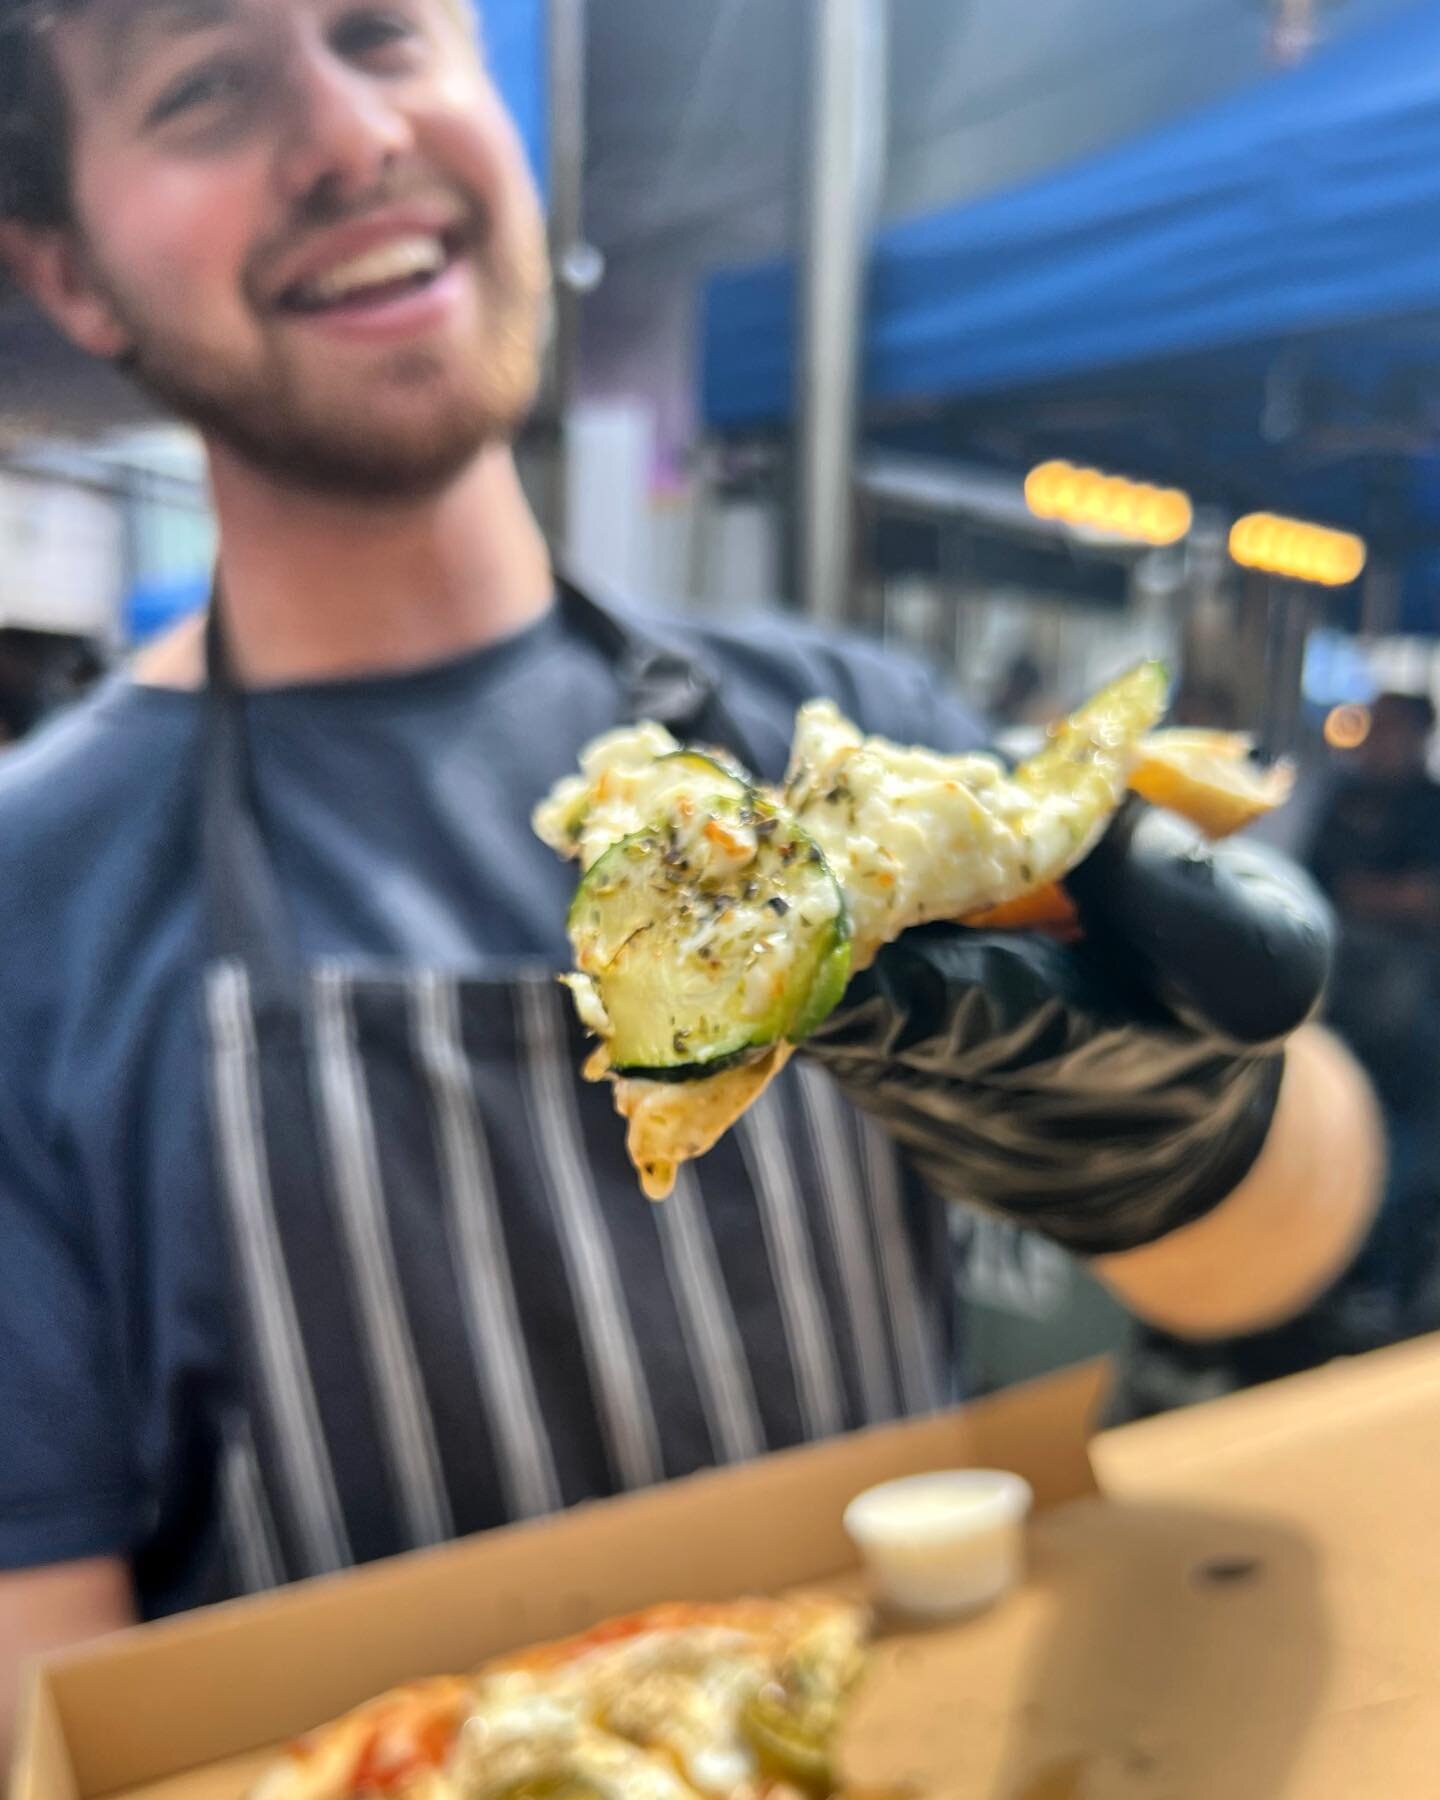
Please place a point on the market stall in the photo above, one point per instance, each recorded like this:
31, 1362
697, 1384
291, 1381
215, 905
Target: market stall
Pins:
1247, 302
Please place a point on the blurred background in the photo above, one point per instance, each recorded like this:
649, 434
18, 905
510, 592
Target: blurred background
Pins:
1034, 339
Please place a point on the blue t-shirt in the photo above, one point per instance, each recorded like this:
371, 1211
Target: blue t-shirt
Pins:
396, 810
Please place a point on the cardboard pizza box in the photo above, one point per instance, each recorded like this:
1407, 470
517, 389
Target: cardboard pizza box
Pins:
1247, 1609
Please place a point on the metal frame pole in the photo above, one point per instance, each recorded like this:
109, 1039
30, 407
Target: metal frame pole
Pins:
1291, 612
844, 171
570, 256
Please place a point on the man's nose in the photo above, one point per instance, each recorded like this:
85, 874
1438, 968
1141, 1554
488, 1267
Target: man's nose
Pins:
342, 133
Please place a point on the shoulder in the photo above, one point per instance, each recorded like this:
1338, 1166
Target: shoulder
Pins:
74, 804
96, 756
770, 663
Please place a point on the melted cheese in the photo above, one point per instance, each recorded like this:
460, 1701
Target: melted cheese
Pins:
913, 835
623, 784
682, 1692
520, 1739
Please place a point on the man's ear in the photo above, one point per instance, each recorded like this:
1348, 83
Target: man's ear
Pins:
48, 264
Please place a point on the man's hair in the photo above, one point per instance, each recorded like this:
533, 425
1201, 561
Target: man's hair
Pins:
34, 171
34, 180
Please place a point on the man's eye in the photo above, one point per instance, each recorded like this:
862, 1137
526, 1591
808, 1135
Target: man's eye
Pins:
215, 85
364, 33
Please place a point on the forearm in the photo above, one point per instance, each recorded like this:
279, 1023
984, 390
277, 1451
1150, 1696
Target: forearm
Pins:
48, 1609
1290, 1228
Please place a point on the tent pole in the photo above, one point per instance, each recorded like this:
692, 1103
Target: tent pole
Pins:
844, 169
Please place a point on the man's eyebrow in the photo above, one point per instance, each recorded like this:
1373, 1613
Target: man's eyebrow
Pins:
129, 27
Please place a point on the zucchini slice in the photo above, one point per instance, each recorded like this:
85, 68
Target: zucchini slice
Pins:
712, 934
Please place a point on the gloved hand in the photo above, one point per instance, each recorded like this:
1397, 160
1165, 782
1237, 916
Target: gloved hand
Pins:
1106, 1092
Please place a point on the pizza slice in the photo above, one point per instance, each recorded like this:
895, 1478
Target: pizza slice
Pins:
735, 1701
717, 923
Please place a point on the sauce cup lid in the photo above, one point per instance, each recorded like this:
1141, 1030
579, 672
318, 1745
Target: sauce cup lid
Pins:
933, 1507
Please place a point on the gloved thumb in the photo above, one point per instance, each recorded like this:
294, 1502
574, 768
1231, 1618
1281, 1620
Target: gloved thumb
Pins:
1231, 938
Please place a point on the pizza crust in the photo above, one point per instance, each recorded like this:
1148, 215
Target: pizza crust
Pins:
670, 1123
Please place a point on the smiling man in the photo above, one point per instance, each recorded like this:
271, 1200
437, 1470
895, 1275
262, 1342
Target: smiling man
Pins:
358, 322
314, 1245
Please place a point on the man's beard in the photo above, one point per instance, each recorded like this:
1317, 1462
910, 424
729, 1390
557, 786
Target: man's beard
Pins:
338, 448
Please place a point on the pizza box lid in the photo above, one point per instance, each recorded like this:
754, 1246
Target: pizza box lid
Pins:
1248, 1609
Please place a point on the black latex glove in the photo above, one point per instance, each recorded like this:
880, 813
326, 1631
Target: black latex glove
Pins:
1107, 1092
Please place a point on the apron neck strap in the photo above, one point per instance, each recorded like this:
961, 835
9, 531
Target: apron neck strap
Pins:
657, 681
246, 912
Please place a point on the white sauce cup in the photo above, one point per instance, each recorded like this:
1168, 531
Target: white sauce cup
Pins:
941, 1545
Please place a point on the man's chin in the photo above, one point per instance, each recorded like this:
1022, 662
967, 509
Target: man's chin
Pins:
351, 460
330, 448
366, 467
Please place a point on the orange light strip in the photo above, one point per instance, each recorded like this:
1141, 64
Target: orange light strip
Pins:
1099, 502
1297, 551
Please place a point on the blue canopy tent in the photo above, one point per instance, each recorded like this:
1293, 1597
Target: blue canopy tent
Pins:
1247, 301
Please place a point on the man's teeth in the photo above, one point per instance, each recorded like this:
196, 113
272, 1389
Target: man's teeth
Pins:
401, 259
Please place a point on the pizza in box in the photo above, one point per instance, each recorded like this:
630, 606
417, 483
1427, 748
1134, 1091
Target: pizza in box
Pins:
733, 1701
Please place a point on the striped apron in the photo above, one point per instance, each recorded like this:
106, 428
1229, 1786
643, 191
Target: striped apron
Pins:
452, 1305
